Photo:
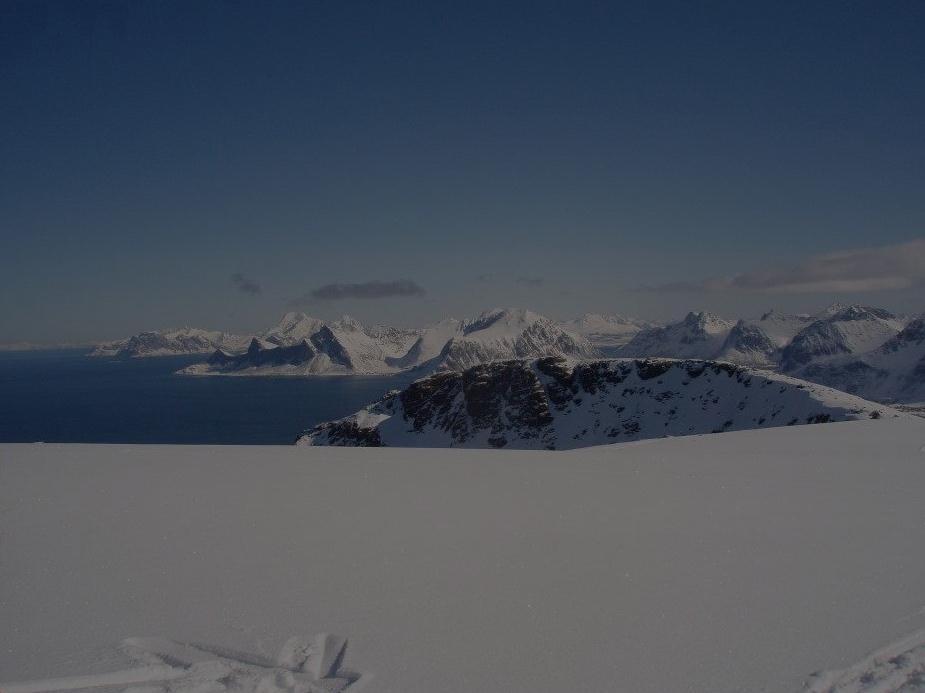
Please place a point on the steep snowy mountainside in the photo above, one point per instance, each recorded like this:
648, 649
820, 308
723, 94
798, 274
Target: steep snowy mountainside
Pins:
894, 371
781, 327
186, 340
429, 344
292, 329
302, 345
749, 345
504, 334
700, 335
849, 330
606, 331
369, 347
554, 403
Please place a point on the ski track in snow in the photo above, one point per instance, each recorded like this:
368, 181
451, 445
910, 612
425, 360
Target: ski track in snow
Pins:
168, 666
897, 668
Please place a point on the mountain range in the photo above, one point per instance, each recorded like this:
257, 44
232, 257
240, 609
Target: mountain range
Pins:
174, 342
301, 345
860, 349
863, 350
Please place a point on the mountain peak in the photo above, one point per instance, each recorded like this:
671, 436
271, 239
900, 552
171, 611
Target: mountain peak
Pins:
347, 322
706, 320
293, 317
501, 316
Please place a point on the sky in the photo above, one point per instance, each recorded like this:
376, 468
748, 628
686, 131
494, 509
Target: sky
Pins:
217, 164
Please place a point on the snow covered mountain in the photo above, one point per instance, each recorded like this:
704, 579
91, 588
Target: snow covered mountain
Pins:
840, 330
852, 347
292, 329
371, 348
700, 335
553, 403
749, 345
504, 334
429, 344
894, 371
859, 349
781, 327
606, 331
182, 341
301, 345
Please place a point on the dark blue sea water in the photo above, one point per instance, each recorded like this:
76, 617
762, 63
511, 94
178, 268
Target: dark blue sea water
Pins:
65, 396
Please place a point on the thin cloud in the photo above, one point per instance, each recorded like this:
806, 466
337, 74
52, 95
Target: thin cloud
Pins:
245, 284
883, 268
531, 281
364, 290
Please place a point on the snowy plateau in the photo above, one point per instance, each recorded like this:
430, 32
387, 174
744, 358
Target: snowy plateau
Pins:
774, 561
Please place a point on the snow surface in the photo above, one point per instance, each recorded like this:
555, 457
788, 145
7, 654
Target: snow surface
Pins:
302, 666
719, 563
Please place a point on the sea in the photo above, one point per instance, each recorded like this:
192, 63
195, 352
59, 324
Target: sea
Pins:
65, 396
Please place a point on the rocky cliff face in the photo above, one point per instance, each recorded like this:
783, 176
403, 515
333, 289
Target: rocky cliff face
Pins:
552, 403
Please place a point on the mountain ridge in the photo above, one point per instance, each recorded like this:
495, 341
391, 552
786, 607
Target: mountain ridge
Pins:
555, 403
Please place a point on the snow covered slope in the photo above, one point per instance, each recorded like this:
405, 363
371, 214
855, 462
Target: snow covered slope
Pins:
187, 340
371, 348
429, 344
606, 331
705, 564
552, 403
781, 327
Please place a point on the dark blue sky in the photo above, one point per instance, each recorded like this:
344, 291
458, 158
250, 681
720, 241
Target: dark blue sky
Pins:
551, 155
